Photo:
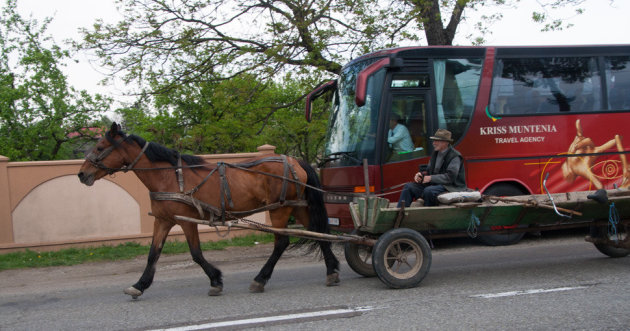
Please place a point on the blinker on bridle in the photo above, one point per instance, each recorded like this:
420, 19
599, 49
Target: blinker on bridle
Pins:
97, 160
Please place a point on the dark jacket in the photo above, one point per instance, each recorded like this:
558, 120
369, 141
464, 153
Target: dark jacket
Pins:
458, 182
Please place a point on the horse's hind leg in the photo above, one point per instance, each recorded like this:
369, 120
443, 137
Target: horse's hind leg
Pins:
192, 237
332, 264
258, 285
160, 231
279, 219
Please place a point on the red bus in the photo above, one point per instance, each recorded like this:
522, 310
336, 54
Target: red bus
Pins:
516, 114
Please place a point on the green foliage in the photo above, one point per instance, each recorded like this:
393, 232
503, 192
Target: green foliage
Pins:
73, 256
41, 117
234, 115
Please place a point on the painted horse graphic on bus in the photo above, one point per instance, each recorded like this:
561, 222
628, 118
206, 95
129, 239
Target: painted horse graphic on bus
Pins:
582, 166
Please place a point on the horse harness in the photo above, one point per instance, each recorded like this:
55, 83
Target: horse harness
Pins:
97, 159
225, 193
224, 188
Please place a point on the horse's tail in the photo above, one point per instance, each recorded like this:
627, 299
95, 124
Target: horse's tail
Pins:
315, 198
318, 222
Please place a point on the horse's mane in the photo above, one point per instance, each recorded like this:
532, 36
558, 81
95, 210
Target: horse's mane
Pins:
156, 152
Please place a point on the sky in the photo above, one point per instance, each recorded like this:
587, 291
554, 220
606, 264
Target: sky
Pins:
602, 23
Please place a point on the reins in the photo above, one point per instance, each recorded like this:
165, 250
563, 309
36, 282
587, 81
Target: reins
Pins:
317, 188
186, 197
236, 166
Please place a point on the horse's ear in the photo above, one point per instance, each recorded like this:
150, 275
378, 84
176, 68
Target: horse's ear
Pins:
114, 129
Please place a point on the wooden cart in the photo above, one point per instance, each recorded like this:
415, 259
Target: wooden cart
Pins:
401, 255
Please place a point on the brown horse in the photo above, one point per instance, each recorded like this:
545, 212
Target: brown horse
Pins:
231, 189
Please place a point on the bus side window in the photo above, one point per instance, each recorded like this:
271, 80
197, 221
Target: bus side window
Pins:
416, 124
618, 78
545, 85
410, 111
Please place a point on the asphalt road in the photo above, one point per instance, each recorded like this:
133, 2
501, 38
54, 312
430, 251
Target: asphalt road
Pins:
539, 284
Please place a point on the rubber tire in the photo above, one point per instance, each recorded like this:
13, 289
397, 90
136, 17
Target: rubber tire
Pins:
611, 251
385, 263
501, 189
360, 265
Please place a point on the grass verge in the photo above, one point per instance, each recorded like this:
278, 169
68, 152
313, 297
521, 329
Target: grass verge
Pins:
72, 256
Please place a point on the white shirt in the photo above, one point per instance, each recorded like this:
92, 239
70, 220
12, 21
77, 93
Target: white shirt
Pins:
399, 139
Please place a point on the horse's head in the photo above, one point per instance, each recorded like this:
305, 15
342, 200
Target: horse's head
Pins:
106, 158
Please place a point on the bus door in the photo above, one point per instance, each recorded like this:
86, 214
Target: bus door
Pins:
406, 144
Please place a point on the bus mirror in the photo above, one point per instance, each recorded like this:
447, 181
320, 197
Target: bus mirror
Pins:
316, 93
362, 78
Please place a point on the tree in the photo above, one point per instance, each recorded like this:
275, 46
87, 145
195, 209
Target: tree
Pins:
184, 41
191, 39
229, 116
41, 117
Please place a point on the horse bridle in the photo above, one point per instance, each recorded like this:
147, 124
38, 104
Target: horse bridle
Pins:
97, 160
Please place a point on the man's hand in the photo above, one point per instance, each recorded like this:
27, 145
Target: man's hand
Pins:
421, 179
418, 178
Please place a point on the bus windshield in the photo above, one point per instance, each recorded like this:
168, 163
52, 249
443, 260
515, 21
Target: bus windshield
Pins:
351, 135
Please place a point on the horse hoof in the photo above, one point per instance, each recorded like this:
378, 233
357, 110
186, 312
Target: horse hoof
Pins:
215, 291
332, 279
256, 287
134, 292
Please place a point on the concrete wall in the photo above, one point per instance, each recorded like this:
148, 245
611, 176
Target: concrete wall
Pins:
43, 206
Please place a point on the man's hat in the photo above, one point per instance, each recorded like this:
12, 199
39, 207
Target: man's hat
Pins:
443, 135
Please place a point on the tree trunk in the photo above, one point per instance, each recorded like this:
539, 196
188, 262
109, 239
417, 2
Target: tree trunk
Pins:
430, 18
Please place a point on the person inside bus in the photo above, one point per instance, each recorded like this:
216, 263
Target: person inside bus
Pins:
398, 136
445, 172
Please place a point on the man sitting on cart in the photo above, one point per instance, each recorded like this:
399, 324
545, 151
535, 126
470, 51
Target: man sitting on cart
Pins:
445, 172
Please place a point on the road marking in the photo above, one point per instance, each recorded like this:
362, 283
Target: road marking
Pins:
293, 317
535, 291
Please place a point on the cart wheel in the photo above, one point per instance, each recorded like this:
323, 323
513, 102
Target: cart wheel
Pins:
359, 258
401, 258
602, 231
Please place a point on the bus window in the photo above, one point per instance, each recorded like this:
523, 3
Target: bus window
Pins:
410, 80
456, 84
618, 79
406, 137
546, 85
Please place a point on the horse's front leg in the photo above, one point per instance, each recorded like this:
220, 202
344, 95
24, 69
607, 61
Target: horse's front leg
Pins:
192, 237
258, 285
161, 229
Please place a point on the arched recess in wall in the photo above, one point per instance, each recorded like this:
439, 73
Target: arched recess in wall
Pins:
63, 209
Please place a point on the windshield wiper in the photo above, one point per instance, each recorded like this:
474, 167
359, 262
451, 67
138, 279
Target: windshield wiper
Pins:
339, 155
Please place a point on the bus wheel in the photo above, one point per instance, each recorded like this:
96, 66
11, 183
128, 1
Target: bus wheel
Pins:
401, 258
607, 249
507, 238
359, 258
